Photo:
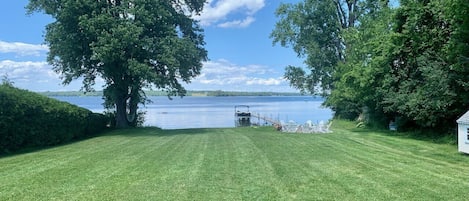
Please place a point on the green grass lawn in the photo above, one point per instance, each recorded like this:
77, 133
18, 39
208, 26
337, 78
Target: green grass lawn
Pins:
239, 164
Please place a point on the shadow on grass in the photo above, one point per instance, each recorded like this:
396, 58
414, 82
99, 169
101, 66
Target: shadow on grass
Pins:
131, 132
422, 135
28, 150
158, 132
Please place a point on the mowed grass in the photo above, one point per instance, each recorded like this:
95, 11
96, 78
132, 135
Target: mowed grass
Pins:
238, 164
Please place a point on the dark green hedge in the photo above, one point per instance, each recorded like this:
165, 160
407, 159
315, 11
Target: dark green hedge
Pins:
28, 119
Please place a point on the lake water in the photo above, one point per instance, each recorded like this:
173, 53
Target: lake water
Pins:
218, 112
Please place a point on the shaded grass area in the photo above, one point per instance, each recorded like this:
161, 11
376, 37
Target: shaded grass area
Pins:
239, 164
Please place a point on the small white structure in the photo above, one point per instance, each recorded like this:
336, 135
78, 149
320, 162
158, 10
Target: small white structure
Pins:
463, 133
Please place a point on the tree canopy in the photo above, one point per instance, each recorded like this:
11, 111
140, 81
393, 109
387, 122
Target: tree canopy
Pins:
314, 29
130, 44
407, 63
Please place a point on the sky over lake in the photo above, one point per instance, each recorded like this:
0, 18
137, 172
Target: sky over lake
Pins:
241, 54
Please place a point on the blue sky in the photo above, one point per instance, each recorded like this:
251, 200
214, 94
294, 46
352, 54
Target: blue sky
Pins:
241, 55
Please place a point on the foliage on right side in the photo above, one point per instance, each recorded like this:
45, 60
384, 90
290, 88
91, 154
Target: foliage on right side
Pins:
380, 62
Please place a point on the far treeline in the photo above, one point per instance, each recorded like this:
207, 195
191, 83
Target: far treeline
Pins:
163, 93
382, 61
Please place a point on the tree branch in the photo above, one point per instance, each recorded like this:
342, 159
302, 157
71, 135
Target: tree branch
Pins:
341, 14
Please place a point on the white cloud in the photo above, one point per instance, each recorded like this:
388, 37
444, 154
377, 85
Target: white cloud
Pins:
27, 71
23, 49
267, 82
238, 23
223, 75
34, 76
216, 75
218, 12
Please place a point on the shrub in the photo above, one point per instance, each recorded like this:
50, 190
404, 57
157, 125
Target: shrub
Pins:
28, 119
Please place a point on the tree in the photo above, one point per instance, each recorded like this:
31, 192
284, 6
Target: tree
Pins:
314, 28
358, 79
6, 81
420, 85
458, 50
427, 85
338, 39
130, 44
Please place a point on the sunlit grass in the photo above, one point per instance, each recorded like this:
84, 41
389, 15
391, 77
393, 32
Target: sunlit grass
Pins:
239, 164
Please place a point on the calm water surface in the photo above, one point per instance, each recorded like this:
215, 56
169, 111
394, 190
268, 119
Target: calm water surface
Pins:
218, 112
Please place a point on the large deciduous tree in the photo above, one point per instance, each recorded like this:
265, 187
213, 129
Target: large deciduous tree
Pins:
357, 80
314, 28
130, 44
337, 39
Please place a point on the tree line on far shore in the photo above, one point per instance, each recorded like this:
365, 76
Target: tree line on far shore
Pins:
189, 93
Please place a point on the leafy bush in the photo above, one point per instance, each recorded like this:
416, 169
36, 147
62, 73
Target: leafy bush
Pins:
28, 119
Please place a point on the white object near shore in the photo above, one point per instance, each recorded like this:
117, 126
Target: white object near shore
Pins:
463, 133
308, 127
392, 126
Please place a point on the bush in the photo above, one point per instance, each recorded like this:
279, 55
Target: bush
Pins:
96, 123
28, 119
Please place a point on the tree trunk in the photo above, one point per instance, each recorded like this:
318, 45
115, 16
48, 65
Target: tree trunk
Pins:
132, 117
121, 114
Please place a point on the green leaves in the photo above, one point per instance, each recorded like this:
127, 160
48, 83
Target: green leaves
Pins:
420, 87
314, 29
28, 119
409, 63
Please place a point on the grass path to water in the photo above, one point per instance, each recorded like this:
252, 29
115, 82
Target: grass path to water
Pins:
238, 164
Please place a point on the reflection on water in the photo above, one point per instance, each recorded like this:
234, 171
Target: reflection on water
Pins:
216, 112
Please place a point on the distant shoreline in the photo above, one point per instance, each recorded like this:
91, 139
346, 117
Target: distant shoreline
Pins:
189, 93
